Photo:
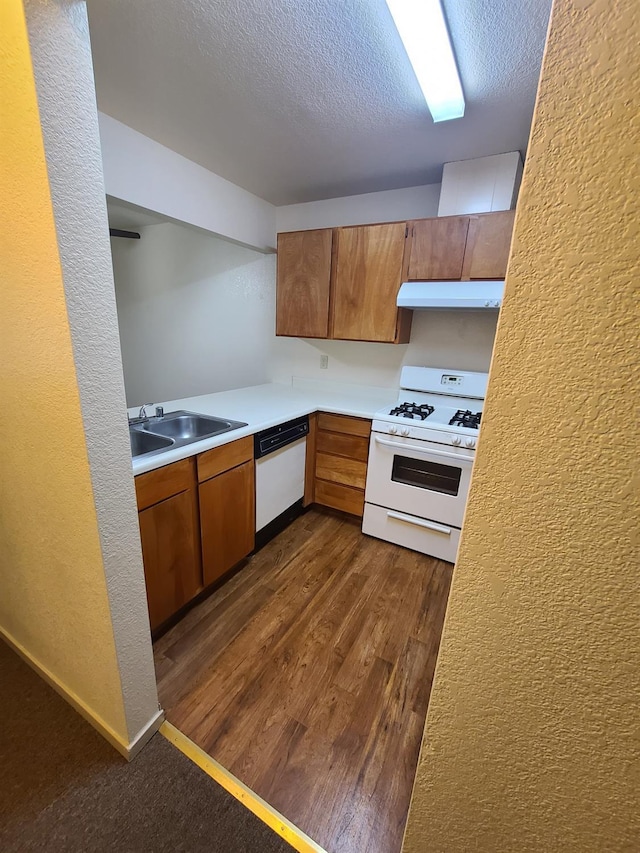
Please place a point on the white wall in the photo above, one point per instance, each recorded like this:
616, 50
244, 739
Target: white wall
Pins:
387, 206
87, 608
196, 313
457, 339
140, 171
145, 173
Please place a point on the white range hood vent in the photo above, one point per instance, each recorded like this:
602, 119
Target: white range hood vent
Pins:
485, 295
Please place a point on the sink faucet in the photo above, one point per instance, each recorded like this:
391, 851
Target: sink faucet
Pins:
142, 414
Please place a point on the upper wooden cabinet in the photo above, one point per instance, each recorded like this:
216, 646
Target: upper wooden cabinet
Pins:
304, 277
343, 283
460, 247
437, 248
367, 277
488, 242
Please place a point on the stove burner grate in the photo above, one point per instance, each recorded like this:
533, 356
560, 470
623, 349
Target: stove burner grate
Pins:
466, 418
413, 411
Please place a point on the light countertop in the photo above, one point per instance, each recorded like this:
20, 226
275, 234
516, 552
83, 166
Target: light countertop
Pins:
263, 406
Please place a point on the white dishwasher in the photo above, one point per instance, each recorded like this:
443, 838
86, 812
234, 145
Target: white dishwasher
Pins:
280, 454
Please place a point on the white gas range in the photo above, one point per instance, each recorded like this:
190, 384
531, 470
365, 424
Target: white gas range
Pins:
420, 460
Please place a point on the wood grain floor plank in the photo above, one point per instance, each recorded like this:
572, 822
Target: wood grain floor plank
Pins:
290, 673
308, 676
239, 673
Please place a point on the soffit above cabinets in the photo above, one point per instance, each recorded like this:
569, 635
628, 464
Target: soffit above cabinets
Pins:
297, 101
129, 218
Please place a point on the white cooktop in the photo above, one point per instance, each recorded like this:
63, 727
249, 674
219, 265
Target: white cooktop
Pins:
443, 389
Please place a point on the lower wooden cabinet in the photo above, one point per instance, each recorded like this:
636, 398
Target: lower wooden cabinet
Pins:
197, 521
170, 536
227, 506
337, 462
227, 520
197, 516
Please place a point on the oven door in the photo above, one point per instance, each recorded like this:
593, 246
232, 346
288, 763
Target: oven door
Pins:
422, 478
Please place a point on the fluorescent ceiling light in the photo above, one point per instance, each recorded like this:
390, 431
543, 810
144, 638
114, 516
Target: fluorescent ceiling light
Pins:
424, 33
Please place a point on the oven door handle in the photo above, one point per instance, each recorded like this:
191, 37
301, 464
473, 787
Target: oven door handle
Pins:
420, 522
400, 446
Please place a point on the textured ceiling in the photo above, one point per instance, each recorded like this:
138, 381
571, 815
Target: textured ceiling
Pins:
297, 100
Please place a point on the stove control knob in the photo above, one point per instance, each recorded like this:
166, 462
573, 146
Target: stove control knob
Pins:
456, 440
470, 442
393, 429
405, 430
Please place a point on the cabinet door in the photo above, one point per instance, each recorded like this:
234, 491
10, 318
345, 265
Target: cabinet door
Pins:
303, 282
437, 248
488, 244
227, 520
367, 279
170, 551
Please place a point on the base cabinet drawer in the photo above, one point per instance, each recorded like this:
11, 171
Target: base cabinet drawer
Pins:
227, 520
163, 483
340, 497
336, 469
338, 444
344, 424
223, 458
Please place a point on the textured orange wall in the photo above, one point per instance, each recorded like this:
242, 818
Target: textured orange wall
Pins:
531, 742
53, 596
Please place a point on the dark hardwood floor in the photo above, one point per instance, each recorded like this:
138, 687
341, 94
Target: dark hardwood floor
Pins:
308, 677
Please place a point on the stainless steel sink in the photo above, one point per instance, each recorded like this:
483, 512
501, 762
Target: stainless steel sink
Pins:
175, 429
145, 442
186, 426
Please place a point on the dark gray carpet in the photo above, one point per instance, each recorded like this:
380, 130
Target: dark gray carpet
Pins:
63, 788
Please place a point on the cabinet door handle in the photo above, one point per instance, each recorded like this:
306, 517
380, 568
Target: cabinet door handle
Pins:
400, 446
420, 522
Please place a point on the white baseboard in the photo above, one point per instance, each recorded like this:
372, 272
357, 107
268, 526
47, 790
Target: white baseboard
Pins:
127, 749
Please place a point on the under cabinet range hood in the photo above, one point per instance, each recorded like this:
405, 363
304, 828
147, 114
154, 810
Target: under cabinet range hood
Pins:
451, 294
